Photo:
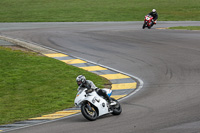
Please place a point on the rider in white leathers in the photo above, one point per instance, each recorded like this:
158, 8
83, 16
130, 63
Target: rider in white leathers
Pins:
83, 83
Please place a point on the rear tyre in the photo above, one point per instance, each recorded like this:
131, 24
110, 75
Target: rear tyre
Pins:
89, 114
149, 27
116, 108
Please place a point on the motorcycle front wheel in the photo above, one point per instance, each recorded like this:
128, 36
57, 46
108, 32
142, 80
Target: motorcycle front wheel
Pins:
89, 114
144, 25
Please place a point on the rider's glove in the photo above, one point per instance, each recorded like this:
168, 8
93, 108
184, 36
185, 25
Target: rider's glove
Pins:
97, 89
88, 91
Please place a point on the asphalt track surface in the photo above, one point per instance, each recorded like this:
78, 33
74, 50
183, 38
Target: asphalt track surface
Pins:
168, 62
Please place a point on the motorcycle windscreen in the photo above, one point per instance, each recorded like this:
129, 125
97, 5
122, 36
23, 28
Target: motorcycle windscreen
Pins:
109, 92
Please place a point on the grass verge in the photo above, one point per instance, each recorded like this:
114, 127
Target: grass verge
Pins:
186, 28
32, 85
96, 10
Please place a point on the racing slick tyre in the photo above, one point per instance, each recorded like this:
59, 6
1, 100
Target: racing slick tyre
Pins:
117, 109
149, 27
90, 114
144, 25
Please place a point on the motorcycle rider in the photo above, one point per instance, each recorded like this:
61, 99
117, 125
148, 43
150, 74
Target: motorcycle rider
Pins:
154, 14
83, 83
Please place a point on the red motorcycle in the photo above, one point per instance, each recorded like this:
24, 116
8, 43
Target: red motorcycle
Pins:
148, 21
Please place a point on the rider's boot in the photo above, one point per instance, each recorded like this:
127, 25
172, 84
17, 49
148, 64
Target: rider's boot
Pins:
155, 21
110, 101
106, 97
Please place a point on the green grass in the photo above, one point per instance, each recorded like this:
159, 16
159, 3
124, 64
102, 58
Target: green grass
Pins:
32, 85
96, 10
186, 28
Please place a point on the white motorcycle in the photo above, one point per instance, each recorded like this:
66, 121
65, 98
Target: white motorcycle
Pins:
93, 106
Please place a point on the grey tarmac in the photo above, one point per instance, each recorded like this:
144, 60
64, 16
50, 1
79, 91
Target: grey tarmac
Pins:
166, 60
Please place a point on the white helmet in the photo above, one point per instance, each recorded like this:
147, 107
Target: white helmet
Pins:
154, 10
80, 80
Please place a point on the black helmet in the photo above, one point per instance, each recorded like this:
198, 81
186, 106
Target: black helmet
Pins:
80, 80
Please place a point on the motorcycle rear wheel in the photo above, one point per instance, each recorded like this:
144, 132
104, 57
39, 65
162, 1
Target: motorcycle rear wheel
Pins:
117, 109
149, 27
90, 115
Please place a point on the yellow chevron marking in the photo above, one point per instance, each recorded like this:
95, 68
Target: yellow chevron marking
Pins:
115, 76
56, 115
56, 55
117, 96
74, 61
162, 28
93, 68
1, 130
124, 86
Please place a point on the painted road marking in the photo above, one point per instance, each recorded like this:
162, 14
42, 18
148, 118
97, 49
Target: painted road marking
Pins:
56, 115
117, 96
74, 61
115, 76
124, 86
162, 28
93, 68
56, 55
